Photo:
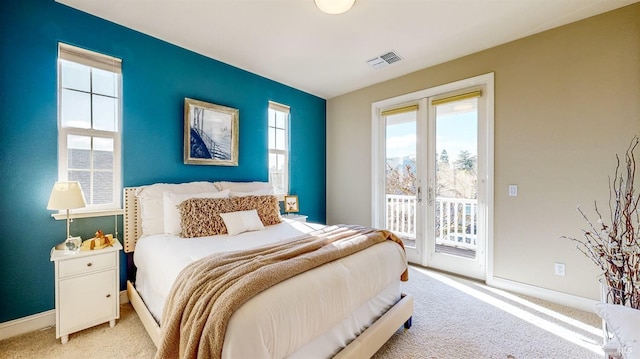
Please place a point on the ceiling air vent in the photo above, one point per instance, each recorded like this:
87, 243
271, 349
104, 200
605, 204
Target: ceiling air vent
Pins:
384, 60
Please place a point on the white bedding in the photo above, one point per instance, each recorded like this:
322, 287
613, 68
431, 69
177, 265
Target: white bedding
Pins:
297, 318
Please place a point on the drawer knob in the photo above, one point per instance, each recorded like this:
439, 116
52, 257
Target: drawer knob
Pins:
108, 295
89, 264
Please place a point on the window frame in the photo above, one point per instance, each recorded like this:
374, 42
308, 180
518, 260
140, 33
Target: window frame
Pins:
285, 152
102, 62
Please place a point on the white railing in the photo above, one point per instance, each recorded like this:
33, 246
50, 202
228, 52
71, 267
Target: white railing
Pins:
456, 221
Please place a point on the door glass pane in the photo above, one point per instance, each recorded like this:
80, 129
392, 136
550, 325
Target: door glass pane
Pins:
400, 170
456, 180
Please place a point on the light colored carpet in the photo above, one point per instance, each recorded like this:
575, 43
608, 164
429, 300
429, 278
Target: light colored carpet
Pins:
459, 318
453, 318
127, 339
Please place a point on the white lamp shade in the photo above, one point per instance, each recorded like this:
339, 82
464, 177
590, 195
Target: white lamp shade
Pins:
334, 6
66, 195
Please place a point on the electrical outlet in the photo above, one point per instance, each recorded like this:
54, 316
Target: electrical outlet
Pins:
559, 269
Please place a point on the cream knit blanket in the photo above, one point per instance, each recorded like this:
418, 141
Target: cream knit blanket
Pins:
208, 291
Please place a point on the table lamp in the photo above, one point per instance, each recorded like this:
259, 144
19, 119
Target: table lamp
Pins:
67, 195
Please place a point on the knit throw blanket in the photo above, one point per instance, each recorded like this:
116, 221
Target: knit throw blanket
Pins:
208, 291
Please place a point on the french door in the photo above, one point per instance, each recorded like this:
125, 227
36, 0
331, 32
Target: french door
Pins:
432, 174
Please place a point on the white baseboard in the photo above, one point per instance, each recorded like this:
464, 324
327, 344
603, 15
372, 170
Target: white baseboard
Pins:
37, 321
549, 295
27, 324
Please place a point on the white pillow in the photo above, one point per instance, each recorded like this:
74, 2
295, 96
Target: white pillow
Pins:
243, 186
260, 192
170, 202
625, 324
150, 199
242, 221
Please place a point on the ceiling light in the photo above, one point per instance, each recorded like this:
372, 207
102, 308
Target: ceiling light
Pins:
334, 7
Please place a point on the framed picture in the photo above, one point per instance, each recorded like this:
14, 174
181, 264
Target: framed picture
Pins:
210, 134
291, 204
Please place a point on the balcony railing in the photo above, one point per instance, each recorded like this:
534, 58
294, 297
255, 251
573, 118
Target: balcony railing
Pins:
456, 222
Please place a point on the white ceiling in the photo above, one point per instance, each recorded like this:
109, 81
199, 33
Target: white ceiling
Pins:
292, 42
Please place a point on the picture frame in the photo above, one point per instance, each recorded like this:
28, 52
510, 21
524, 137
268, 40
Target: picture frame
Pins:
291, 204
210, 134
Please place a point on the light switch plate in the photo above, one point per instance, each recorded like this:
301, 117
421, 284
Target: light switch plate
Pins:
513, 190
559, 269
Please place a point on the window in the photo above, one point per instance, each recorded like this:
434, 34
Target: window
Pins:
279, 148
90, 125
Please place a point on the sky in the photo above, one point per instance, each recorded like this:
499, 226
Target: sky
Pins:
455, 131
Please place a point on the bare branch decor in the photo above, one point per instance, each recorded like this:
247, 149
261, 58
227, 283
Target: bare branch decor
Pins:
615, 245
210, 134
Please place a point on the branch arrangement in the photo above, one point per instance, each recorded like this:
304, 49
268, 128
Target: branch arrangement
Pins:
615, 246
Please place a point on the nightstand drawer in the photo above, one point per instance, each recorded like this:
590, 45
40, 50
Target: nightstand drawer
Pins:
87, 264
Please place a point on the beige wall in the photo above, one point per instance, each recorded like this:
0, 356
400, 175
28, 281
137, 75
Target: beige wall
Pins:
566, 101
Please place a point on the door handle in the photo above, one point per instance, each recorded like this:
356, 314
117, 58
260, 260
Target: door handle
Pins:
419, 196
430, 195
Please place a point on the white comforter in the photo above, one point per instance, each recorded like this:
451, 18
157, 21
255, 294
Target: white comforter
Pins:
315, 313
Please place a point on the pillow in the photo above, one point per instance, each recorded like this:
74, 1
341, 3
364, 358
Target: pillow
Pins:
150, 199
170, 202
267, 207
259, 192
200, 217
242, 221
243, 186
625, 324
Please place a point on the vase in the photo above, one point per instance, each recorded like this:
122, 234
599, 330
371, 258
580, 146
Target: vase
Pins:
624, 294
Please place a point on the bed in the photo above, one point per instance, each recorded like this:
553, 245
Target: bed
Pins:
350, 311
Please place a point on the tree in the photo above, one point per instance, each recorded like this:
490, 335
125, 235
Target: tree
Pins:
401, 179
466, 161
444, 157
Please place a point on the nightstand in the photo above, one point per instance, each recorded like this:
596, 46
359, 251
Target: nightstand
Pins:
296, 217
87, 287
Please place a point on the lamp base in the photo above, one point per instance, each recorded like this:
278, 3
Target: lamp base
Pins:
72, 244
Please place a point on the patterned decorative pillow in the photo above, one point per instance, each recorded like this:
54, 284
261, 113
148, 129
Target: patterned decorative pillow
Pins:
267, 207
200, 217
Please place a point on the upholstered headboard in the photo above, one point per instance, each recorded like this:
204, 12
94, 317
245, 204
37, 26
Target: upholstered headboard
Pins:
132, 223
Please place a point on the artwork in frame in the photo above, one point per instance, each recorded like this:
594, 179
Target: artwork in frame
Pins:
291, 204
210, 134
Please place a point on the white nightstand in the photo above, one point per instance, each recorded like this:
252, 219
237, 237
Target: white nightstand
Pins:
295, 217
87, 287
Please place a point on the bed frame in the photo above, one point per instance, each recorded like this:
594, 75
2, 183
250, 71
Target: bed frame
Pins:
364, 346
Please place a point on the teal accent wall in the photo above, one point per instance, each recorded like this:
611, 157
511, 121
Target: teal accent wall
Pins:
157, 76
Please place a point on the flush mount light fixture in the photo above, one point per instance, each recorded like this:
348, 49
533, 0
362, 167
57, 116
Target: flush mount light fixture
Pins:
334, 7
